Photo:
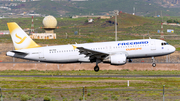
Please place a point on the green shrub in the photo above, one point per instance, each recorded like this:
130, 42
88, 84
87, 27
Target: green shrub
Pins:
129, 98
47, 98
72, 99
88, 94
24, 97
114, 97
125, 70
65, 99
105, 98
14, 95
81, 98
32, 95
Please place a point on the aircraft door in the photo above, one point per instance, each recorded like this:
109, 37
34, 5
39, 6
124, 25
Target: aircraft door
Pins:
41, 54
153, 45
110, 49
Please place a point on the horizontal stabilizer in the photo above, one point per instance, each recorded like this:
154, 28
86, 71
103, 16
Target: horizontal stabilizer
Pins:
20, 52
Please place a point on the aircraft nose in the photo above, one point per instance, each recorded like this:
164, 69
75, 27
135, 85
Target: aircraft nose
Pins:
173, 49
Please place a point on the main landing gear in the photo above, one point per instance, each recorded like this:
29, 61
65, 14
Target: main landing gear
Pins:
96, 68
154, 62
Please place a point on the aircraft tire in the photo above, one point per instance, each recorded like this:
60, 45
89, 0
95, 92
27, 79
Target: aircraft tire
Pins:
96, 68
154, 64
130, 60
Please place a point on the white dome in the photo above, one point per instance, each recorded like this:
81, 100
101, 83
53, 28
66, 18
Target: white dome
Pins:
49, 22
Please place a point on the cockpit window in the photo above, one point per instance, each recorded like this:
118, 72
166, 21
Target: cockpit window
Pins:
164, 43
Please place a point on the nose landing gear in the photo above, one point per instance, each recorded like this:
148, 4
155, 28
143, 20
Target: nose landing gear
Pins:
130, 60
154, 62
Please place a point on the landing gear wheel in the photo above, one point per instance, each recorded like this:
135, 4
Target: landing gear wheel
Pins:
130, 60
154, 64
96, 68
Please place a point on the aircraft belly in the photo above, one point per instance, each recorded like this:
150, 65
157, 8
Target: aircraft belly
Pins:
72, 58
62, 58
143, 53
32, 57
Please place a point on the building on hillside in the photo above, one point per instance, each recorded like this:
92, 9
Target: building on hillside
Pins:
43, 35
90, 20
75, 16
105, 17
4, 32
50, 24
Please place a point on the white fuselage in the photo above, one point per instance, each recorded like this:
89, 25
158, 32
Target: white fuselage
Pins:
66, 53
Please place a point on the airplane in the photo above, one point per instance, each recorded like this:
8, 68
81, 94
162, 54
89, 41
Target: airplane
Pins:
114, 53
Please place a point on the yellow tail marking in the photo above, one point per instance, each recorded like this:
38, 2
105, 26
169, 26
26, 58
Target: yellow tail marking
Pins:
12, 26
74, 47
18, 37
22, 40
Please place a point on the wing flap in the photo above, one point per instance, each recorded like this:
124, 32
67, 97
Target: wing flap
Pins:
91, 53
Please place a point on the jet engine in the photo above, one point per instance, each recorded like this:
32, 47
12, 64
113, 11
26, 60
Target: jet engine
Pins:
116, 59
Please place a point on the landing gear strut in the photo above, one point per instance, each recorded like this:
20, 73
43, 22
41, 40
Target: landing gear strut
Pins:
96, 68
154, 62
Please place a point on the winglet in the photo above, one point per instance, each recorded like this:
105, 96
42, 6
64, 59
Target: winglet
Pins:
74, 47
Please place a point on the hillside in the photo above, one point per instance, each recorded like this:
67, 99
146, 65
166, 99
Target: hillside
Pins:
129, 27
97, 7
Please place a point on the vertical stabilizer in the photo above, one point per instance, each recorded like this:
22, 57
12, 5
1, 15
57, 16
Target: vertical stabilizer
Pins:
20, 39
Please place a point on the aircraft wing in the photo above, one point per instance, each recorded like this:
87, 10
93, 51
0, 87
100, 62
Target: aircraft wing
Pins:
91, 53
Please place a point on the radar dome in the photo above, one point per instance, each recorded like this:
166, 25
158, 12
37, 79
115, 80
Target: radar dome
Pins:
49, 22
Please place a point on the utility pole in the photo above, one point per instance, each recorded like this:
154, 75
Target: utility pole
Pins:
1, 94
162, 16
134, 11
116, 12
163, 92
32, 25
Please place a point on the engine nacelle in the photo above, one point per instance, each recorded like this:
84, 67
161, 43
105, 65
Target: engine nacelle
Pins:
116, 59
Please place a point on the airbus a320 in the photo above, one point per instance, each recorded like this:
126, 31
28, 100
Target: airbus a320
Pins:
114, 53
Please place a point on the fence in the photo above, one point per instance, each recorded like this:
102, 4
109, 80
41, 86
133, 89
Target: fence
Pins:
84, 94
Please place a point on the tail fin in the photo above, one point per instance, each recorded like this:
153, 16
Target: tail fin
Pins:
20, 39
